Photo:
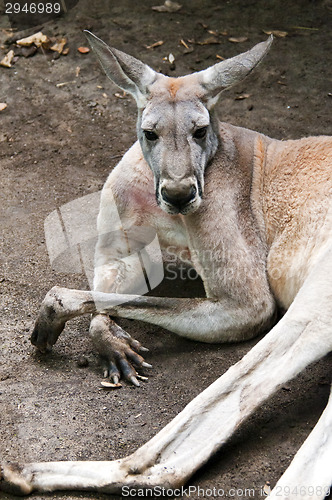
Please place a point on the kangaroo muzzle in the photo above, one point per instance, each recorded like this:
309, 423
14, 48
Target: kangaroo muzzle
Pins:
179, 197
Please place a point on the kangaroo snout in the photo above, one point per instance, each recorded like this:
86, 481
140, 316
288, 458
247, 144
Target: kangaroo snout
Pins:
179, 195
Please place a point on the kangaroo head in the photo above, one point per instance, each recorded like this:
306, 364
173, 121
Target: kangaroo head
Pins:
175, 125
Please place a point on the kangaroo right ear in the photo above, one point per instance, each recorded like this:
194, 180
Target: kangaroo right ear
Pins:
231, 71
130, 74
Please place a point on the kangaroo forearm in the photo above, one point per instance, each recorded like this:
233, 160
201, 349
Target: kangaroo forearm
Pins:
199, 319
203, 319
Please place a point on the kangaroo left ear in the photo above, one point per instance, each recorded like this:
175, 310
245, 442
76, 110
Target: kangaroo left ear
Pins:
231, 71
130, 74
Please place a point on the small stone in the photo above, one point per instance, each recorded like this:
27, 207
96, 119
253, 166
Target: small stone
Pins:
82, 362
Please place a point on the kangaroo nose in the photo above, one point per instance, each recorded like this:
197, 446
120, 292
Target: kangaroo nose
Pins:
178, 196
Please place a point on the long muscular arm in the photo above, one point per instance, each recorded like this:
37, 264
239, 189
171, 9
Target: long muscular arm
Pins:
203, 319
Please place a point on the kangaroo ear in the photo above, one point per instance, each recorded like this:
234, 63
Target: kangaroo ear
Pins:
130, 74
231, 71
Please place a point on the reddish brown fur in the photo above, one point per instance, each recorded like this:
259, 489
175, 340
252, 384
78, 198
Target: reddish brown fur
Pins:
173, 85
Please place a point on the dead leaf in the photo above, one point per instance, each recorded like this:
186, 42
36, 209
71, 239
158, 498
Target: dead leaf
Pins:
121, 96
171, 60
212, 40
305, 28
47, 44
7, 60
59, 46
213, 32
38, 39
277, 33
241, 97
188, 49
168, 6
154, 45
83, 50
65, 51
109, 385
238, 39
65, 83
3, 106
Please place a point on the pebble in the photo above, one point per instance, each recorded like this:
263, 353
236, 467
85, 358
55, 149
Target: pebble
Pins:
82, 362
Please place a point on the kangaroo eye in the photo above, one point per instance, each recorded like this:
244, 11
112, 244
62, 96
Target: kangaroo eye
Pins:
200, 133
150, 136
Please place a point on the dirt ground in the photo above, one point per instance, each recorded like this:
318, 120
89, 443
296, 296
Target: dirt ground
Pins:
58, 143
